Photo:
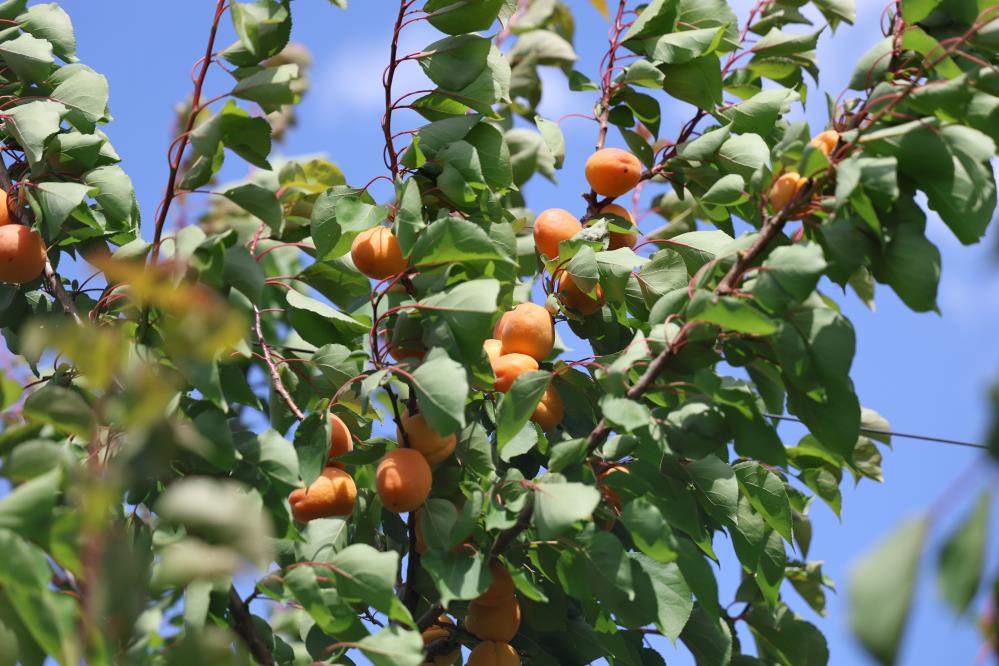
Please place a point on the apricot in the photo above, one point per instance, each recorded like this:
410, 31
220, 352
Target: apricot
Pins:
610, 496
436, 631
4, 211
550, 410
618, 239
500, 589
501, 325
376, 253
510, 366
332, 494
826, 141
403, 480
406, 349
340, 440
784, 189
553, 226
575, 298
22, 254
423, 438
494, 348
611, 171
499, 622
493, 653
530, 330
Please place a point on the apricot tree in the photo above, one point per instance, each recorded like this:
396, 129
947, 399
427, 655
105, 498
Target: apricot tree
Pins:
333, 422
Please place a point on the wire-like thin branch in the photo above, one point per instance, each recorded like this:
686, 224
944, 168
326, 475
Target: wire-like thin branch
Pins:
242, 624
181, 142
272, 368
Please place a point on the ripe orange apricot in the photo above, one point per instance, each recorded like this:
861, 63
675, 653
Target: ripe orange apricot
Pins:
22, 254
500, 589
4, 211
826, 141
376, 253
423, 438
529, 330
617, 239
494, 623
493, 653
340, 440
611, 171
494, 348
510, 366
575, 298
332, 494
501, 325
784, 189
550, 410
436, 631
403, 480
553, 226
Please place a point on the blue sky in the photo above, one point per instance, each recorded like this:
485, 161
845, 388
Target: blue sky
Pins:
925, 373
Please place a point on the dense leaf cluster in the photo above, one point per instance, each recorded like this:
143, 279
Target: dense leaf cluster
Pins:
177, 407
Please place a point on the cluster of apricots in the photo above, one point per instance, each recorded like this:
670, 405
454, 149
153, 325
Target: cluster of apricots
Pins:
611, 172
22, 252
786, 187
523, 337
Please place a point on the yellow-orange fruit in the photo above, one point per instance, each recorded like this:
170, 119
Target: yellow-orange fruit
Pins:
611, 497
826, 141
403, 480
553, 226
530, 330
494, 348
500, 589
510, 366
499, 622
611, 171
575, 298
550, 410
501, 325
405, 349
377, 254
493, 653
22, 254
423, 438
617, 239
332, 494
784, 190
436, 631
340, 440
4, 212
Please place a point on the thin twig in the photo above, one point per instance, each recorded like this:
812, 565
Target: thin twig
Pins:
510, 534
272, 368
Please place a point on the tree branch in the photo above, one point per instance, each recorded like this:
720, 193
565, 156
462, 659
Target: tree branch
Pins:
272, 369
508, 536
242, 624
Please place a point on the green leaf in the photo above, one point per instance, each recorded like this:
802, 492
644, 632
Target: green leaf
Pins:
708, 638
29, 57
726, 191
250, 138
881, 588
911, 265
55, 202
681, 47
312, 446
552, 134
116, 196
243, 272
441, 387
557, 506
32, 124
456, 16
456, 575
649, 530
765, 491
697, 82
257, 201
319, 323
719, 487
872, 66
759, 113
85, 91
517, 405
62, 408
674, 602
273, 455
270, 87
744, 154
706, 146
777, 43
50, 22
29, 506
393, 646
608, 568
455, 62
453, 240
730, 313
366, 575
626, 415
790, 273
962, 557
438, 517
657, 18
338, 217
263, 26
